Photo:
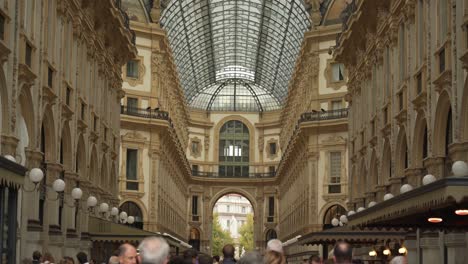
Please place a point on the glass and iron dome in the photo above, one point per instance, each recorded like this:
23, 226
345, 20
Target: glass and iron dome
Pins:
235, 55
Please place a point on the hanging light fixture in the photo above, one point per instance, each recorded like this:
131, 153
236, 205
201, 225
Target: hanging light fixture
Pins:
386, 252
402, 250
372, 253
461, 212
434, 220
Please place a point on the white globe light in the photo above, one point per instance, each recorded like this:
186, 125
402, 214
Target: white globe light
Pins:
402, 250
373, 253
58, 185
91, 202
350, 213
103, 207
344, 219
123, 215
114, 211
360, 209
428, 179
131, 220
372, 203
36, 175
388, 196
460, 168
335, 222
10, 157
406, 188
77, 193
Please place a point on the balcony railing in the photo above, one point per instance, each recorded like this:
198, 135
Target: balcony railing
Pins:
146, 113
324, 115
216, 175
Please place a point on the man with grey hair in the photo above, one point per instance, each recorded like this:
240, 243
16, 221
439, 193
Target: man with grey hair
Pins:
275, 245
399, 260
153, 250
251, 257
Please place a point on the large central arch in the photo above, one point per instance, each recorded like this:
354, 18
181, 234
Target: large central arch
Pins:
258, 231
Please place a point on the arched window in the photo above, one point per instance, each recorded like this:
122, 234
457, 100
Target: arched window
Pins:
271, 234
134, 210
332, 212
234, 150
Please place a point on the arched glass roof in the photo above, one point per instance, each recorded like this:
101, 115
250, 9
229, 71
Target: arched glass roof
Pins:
235, 55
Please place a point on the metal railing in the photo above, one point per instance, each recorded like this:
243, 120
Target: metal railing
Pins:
255, 175
324, 115
146, 113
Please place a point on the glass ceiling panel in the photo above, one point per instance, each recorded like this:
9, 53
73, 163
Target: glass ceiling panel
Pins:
235, 55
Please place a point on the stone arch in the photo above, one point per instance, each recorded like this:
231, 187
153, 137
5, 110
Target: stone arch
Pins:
48, 128
270, 234
420, 141
386, 170
5, 105
401, 153
103, 177
235, 190
93, 166
373, 174
329, 212
443, 111
464, 113
141, 205
220, 124
135, 210
80, 160
66, 148
239, 191
26, 111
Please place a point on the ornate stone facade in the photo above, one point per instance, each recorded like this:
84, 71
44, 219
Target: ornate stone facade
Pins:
408, 98
61, 77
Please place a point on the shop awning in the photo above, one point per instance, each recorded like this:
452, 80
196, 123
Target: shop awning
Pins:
413, 209
350, 235
11, 173
108, 231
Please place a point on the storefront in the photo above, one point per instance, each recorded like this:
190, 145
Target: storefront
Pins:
11, 179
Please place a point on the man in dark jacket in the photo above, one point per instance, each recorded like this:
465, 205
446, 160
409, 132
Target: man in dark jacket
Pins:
228, 253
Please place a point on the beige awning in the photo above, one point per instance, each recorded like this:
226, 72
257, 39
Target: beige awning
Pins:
413, 208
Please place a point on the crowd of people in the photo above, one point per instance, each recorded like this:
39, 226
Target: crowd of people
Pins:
155, 250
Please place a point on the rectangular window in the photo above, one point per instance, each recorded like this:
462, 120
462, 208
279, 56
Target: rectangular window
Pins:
132, 159
337, 72
228, 223
95, 123
194, 147
243, 210
336, 105
68, 96
335, 173
419, 83
273, 148
387, 72
2, 27
385, 115
400, 101
442, 60
194, 170
8, 219
271, 170
132, 104
28, 55
50, 77
132, 69
195, 205
228, 208
82, 111
271, 208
